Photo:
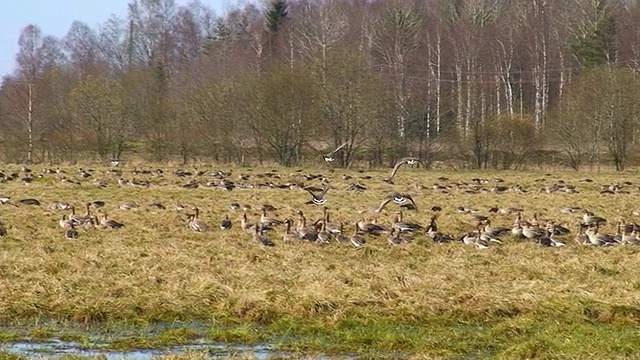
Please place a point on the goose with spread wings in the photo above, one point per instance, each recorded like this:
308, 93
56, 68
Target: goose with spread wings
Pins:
330, 156
397, 198
318, 199
408, 161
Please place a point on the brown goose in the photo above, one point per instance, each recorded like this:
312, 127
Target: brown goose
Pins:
195, 223
289, 236
357, 240
305, 232
109, 223
261, 238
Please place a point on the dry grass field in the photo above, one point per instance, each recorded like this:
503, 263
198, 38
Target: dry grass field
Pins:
515, 299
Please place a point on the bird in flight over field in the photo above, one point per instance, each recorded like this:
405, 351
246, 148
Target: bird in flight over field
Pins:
330, 156
408, 161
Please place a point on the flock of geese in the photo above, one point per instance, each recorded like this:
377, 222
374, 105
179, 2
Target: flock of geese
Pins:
481, 233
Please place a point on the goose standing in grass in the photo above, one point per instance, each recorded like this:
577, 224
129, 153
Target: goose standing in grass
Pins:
80, 219
261, 238
128, 205
267, 222
589, 217
195, 223
71, 232
289, 236
305, 232
65, 222
398, 238
3, 230
109, 223
433, 233
371, 228
225, 224
404, 226
598, 239
494, 231
340, 237
581, 238
324, 237
245, 225
357, 240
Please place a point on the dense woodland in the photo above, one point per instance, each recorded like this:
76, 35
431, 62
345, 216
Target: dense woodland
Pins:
464, 83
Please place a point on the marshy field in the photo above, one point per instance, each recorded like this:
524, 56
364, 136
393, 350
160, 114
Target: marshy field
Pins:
157, 284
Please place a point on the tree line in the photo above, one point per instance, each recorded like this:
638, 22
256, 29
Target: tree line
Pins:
471, 83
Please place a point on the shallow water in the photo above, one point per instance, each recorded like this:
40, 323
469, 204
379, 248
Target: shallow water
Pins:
57, 348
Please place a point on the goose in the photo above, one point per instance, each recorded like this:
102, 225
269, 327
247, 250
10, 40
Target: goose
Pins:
29, 201
268, 222
405, 226
261, 238
318, 199
288, 235
225, 224
547, 238
340, 237
629, 234
332, 228
329, 157
105, 222
65, 222
371, 228
195, 223
80, 219
531, 232
404, 161
3, 230
493, 231
397, 198
589, 217
60, 205
433, 233
71, 232
469, 238
356, 239
128, 205
156, 206
398, 238
324, 236
246, 226
305, 232
598, 239
581, 238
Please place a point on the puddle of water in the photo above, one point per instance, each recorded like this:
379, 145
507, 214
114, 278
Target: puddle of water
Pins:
57, 348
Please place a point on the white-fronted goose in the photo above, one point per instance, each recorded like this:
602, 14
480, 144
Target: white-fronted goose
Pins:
195, 223
109, 223
356, 239
260, 238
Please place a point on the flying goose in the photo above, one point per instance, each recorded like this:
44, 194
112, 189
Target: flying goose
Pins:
329, 157
318, 199
408, 161
397, 198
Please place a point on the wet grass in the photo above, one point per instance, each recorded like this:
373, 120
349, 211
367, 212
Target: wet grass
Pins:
110, 288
